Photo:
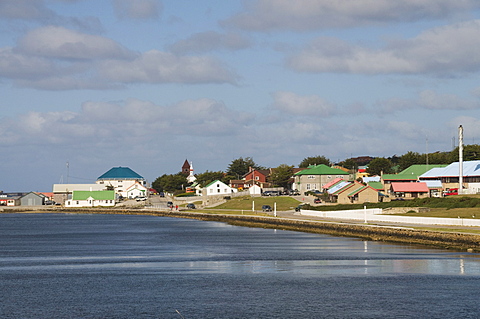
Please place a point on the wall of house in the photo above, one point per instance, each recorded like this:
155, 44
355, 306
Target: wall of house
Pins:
89, 203
120, 186
368, 196
305, 183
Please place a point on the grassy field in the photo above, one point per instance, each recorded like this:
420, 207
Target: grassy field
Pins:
246, 203
471, 213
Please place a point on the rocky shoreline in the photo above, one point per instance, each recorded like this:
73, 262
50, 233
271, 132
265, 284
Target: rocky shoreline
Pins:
445, 240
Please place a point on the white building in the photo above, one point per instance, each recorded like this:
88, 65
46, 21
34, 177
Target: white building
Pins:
121, 179
217, 188
91, 199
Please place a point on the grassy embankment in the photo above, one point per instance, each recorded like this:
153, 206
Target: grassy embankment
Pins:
253, 205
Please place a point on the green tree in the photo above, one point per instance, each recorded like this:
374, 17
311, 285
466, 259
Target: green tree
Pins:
409, 159
379, 165
470, 153
282, 175
170, 183
314, 160
241, 166
349, 163
206, 178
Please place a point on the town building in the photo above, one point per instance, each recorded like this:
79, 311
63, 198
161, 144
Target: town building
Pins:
315, 177
121, 179
105, 198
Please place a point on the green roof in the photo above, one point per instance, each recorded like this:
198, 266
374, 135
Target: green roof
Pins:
412, 172
321, 169
120, 173
97, 195
375, 185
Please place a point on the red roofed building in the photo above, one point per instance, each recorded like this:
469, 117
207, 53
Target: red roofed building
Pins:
409, 190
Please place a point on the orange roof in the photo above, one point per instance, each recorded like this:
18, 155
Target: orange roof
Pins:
410, 187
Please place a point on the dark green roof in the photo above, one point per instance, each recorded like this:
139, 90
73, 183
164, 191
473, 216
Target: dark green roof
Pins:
321, 169
120, 173
375, 185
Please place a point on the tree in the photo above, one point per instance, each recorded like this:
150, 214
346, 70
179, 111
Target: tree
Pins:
314, 160
206, 178
282, 175
348, 163
170, 183
379, 165
409, 159
470, 153
240, 166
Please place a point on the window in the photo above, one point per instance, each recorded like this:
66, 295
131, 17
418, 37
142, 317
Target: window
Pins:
308, 187
257, 177
311, 177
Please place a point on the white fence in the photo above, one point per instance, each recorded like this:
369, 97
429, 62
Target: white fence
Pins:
374, 215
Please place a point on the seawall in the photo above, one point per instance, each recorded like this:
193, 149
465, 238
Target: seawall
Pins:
445, 240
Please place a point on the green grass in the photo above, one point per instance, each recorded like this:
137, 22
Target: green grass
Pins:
245, 203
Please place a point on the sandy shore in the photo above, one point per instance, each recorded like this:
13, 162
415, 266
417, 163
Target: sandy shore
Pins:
395, 234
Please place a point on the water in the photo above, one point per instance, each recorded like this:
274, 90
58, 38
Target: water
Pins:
107, 266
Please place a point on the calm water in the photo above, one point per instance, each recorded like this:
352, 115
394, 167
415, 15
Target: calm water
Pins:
104, 266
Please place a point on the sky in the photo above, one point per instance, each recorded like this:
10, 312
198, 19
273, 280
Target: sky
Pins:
88, 85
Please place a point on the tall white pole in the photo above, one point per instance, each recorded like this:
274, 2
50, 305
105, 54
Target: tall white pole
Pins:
460, 159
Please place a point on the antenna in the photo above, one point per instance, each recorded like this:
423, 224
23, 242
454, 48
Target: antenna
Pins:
68, 171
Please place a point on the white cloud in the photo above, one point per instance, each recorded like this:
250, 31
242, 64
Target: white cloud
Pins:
209, 41
292, 103
137, 9
427, 99
161, 67
19, 66
435, 51
62, 43
24, 9
300, 15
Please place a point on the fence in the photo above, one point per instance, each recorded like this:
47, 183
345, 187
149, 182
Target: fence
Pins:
374, 215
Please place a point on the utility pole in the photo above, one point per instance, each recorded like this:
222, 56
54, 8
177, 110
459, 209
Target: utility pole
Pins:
460, 160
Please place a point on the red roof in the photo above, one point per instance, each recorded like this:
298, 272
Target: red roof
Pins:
332, 182
410, 187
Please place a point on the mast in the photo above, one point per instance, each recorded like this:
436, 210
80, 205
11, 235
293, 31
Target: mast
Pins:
460, 159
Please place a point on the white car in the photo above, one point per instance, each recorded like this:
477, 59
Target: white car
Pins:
141, 198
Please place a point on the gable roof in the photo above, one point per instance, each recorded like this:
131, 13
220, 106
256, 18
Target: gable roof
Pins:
217, 181
120, 173
321, 169
97, 195
410, 187
375, 185
332, 182
470, 168
412, 173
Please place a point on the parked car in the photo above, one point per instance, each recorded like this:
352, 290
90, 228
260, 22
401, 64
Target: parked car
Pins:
299, 207
451, 191
293, 192
271, 193
49, 202
317, 200
266, 208
169, 204
191, 206
141, 199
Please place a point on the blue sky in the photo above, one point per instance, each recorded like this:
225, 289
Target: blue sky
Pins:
149, 83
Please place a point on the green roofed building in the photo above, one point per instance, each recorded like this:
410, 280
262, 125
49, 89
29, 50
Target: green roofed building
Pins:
91, 199
408, 175
315, 177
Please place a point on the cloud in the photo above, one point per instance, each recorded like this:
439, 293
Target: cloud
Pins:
292, 103
301, 15
209, 41
429, 100
137, 9
160, 67
116, 122
57, 58
435, 51
62, 43
24, 10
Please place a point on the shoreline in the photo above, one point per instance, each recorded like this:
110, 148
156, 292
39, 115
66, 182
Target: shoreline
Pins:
392, 234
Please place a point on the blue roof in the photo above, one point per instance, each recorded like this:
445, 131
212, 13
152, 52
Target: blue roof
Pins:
470, 168
120, 173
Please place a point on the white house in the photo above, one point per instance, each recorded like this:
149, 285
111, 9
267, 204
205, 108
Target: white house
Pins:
121, 179
137, 190
218, 188
91, 199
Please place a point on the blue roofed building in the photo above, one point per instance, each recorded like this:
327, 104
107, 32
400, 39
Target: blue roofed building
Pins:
126, 182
